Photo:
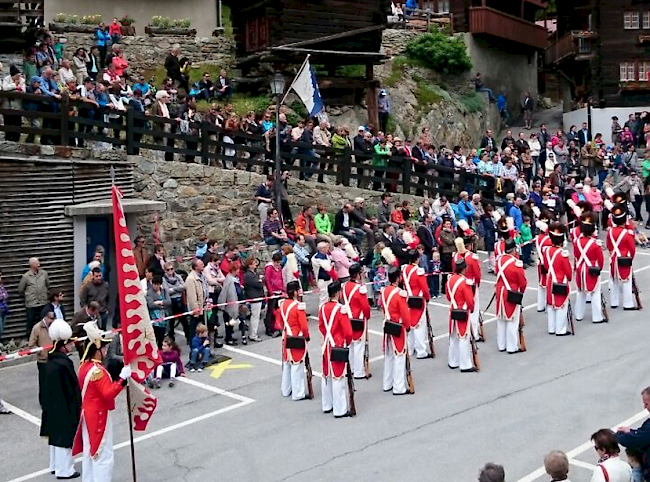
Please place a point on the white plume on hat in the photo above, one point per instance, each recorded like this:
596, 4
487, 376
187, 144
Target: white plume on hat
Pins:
610, 192
496, 215
95, 334
574, 207
460, 245
609, 205
542, 226
511, 223
462, 224
537, 212
59, 330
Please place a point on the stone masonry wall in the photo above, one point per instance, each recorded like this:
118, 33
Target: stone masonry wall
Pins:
144, 52
209, 200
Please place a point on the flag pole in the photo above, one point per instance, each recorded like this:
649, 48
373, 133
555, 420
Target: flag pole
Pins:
294, 79
128, 387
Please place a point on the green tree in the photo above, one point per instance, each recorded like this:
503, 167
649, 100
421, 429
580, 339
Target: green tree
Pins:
440, 52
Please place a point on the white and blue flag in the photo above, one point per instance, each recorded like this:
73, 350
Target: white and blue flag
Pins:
306, 86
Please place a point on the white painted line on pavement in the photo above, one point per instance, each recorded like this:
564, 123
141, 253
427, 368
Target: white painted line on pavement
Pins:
210, 388
536, 474
23, 414
580, 463
263, 358
494, 282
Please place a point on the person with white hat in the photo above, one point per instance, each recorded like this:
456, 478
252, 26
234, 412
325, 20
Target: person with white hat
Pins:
61, 401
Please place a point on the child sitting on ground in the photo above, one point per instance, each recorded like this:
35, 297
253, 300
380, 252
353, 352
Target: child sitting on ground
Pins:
171, 363
200, 349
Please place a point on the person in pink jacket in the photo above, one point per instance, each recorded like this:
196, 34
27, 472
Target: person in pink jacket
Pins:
341, 261
274, 286
594, 197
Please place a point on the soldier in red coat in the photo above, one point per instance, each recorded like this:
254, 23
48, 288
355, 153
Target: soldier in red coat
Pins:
588, 253
355, 297
504, 229
397, 322
95, 433
558, 282
621, 247
414, 280
510, 287
542, 242
464, 252
459, 294
295, 335
334, 325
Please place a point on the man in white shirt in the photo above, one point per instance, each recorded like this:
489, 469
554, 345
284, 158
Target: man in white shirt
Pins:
65, 72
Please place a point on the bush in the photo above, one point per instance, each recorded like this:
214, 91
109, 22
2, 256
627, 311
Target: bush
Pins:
60, 18
471, 102
440, 52
91, 19
73, 19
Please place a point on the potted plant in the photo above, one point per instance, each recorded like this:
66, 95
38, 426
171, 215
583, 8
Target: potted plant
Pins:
63, 23
127, 25
167, 26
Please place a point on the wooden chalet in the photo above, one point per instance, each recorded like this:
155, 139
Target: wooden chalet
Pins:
17, 17
602, 49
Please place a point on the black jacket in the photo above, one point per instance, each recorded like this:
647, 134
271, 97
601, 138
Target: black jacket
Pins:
485, 141
582, 138
61, 401
253, 286
49, 307
155, 267
426, 238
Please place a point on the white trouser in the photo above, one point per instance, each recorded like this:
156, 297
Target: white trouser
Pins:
334, 395
474, 317
596, 306
263, 209
492, 261
417, 339
508, 333
293, 380
160, 370
615, 289
394, 371
357, 350
98, 469
61, 461
256, 309
558, 319
322, 293
460, 352
541, 297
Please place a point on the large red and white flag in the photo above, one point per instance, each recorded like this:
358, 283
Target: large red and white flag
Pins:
138, 339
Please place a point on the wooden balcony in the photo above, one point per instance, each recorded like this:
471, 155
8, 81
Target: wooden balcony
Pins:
635, 86
576, 45
490, 22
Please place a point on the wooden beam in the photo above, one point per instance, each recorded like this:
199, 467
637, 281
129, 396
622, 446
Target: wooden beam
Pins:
337, 36
330, 52
371, 98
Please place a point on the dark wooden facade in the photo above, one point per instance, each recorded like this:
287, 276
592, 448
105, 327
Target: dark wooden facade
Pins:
603, 47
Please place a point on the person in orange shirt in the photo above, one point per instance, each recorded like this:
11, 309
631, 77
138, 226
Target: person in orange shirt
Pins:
305, 225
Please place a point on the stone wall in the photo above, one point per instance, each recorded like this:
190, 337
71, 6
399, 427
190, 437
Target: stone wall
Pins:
393, 40
208, 200
144, 52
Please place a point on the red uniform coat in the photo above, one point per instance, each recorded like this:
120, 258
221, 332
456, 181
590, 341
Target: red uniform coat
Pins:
588, 252
355, 296
575, 234
415, 284
510, 276
460, 295
396, 310
500, 248
620, 243
294, 323
542, 242
473, 262
334, 325
559, 271
98, 394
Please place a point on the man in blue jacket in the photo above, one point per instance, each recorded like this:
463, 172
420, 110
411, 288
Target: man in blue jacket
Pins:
639, 439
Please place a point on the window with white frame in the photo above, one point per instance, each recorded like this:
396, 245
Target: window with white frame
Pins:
646, 19
627, 73
644, 70
630, 20
443, 6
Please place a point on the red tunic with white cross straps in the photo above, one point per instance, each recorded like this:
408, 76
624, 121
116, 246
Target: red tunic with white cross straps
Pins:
510, 276
559, 271
542, 242
355, 296
334, 325
620, 243
393, 302
473, 262
415, 284
461, 297
98, 392
588, 252
294, 323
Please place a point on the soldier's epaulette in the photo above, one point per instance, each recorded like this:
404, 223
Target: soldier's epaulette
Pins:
519, 263
97, 374
599, 242
344, 310
475, 256
363, 290
302, 306
565, 253
420, 271
403, 293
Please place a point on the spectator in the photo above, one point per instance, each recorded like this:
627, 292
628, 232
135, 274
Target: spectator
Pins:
584, 136
159, 303
489, 234
97, 291
492, 473
480, 86
303, 256
556, 464
488, 142
174, 286
383, 107
343, 225
39, 336
306, 226
141, 254
200, 349
447, 248
273, 232
524, 240
323, 224
93, 65
80, 62
55, 297
65, 72
102, 39
196, 289
528, 106
341, 261
171, 363
14, 82
98, 257
224, 89
363, 221
206, 88
173, 64
29, 65
515, 212
229, 296
274, 286
638, 439
441, 208
86, 314
610, 467
635, 459
34, 286
115, 31
253, 289
508, 140
502, 105
465, 208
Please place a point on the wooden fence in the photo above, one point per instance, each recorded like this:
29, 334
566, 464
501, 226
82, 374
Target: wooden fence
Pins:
68, 122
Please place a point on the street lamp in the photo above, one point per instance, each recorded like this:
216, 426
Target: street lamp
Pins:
277, 89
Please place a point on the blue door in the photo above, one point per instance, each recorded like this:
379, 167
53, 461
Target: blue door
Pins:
97, 233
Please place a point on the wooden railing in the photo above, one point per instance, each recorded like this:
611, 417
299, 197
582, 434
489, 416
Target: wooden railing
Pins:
16, 13
572, 44
488, 21
69, 122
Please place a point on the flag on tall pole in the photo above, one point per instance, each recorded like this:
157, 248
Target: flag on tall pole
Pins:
138, 339
306, 86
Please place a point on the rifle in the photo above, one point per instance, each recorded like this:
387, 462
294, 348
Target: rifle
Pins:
432, 349
310, 375
409, 374
603, 304
635, 290
475, 360
366, 354
570, 315
522, 337
481, 333
352, 408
